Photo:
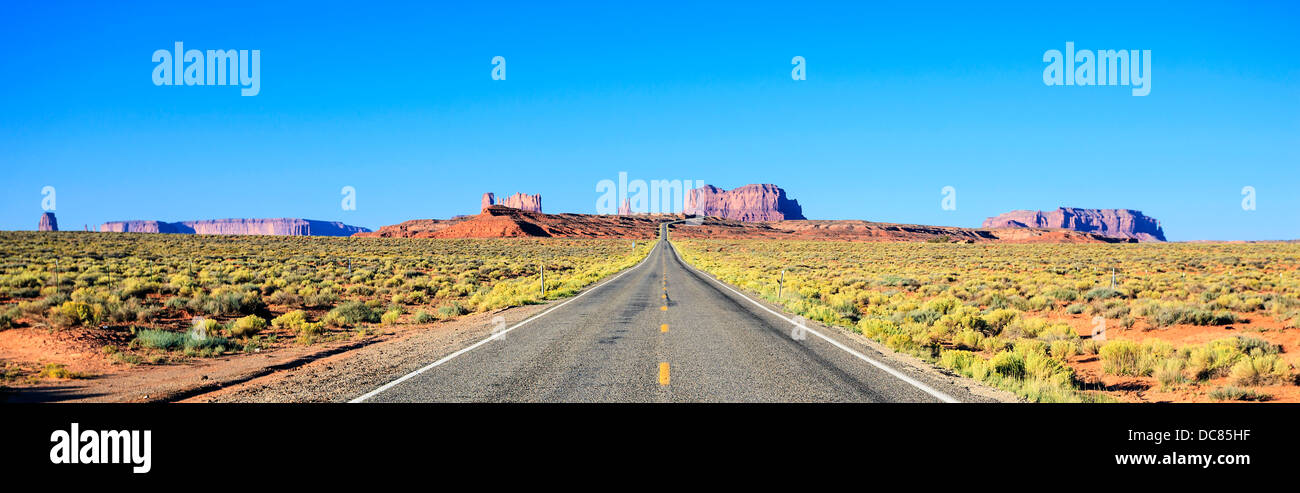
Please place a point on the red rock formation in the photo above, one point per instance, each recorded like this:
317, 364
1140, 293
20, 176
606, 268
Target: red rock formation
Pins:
48, 222
747, 203
1115, 223
530, 203
502, 222
625, 208
278, 227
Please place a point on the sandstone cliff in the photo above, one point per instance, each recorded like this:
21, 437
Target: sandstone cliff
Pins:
48, 222
1115, 223
276, 227
748, 203
530, 203
503, 222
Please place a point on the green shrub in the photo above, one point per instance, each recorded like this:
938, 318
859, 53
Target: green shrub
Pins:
1065, 348
1233, 393
1100, 293
170, 341
391, 317
423, 317
1255, 346
310, 329
292, 320
351, 313
227, 303
958, 361
1125, 358
1040, 366
55, 370
247, 326
968, 339
1169, 373
1267, 369
900, 342
82, 313
996, 320
452, 309
1214, 359
874, 328
1091, 346
1008, 364
1166, 316
1063, 294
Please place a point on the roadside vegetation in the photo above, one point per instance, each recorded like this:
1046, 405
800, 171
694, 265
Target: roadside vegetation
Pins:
1021, 317
172, 297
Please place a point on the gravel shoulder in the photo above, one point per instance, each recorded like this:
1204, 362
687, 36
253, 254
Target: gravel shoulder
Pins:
346, 375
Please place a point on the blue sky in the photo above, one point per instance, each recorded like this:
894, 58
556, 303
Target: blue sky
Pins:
901, 99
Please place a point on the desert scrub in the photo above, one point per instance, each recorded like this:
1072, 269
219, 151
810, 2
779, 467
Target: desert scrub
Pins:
1125, 358
451, 310
81, 313
247, 326
1234, 393
59, 371
1169, 373
162, 281
351, 313
1268, 369
293, 320
391, 317
173, 341
423, 317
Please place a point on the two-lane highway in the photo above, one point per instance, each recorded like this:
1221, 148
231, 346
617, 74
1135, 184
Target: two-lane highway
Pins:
664, 332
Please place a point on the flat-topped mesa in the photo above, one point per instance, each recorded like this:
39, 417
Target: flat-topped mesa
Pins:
530, 203
1115, 223
270, 227
48, 222
752, 203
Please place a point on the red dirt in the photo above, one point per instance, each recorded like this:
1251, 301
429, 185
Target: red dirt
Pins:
1147, 389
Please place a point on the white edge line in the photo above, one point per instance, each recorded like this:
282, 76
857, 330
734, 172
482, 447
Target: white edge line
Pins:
497, 335
915, 383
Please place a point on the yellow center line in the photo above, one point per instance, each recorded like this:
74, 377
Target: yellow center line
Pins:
663, 373
663, 308
663, 328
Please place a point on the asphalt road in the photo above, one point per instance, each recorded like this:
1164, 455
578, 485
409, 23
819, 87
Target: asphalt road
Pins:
665, 332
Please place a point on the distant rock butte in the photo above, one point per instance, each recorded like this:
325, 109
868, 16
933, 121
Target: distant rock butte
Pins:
48, 222
530, 203
274, 227
1115, 223
502, 222
750, 203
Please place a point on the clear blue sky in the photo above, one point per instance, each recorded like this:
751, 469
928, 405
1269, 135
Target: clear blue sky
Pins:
900, 100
